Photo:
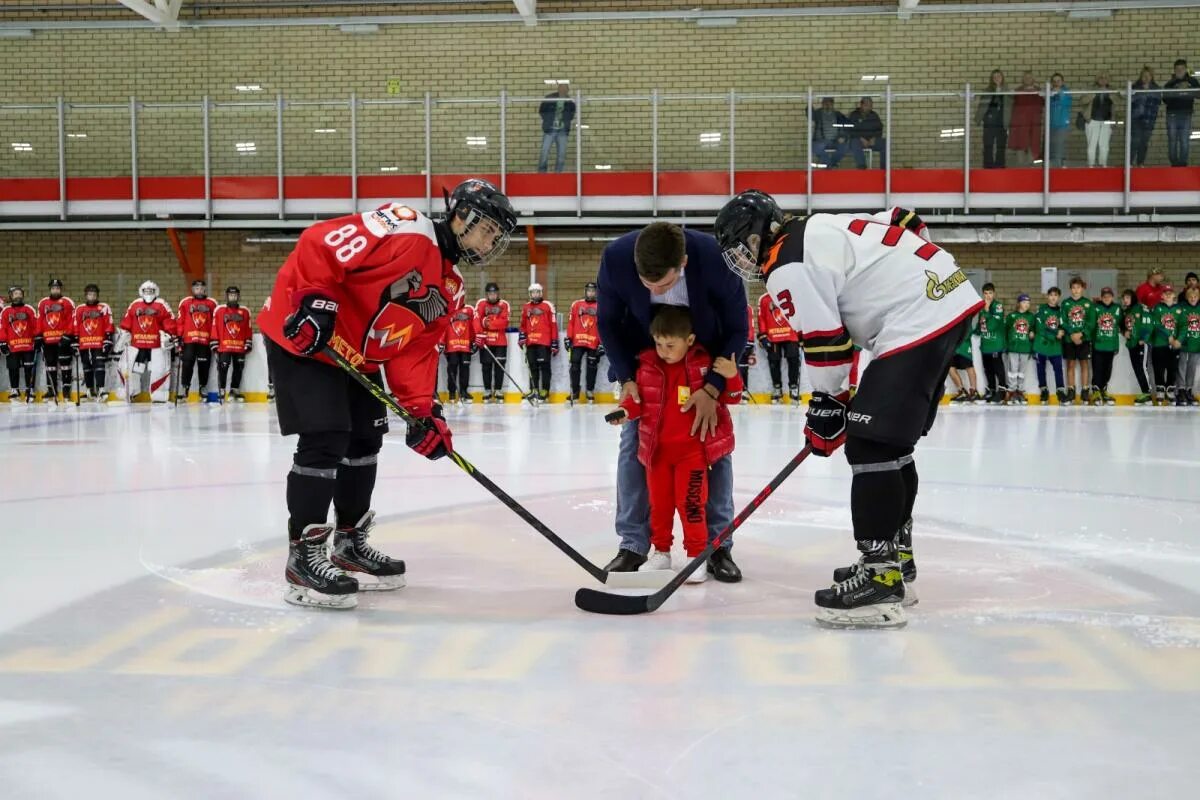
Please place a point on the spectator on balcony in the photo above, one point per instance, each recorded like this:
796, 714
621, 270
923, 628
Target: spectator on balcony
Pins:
994, 113
1100, 115
830, 128
1025, 133
558, 112
1146, 97
1150, 292
867, 134
1179, 96
1060, 119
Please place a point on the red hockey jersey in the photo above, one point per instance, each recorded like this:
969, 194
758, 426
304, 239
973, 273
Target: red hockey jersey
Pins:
394, 289
491, 322
18, 326
231, 328
195, 319
581, 327
145, 321
460, 333
539, 323
92, 325
54, 316
773, 323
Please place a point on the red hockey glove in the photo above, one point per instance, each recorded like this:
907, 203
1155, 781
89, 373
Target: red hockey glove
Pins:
481, 340
310, 326
825, 427
522, 340
554, 348
433, 440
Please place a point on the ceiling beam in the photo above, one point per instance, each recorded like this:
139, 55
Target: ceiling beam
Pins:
528, 11
161, 12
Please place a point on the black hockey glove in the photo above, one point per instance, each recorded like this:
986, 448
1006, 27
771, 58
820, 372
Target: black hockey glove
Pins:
249, 346
433, 439
825, 427
4, 351
38, 342
310, 326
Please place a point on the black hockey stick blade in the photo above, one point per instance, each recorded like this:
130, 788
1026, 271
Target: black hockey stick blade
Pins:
599, 602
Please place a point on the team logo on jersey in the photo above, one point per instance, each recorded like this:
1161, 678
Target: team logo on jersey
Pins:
936, 288
1106, 323
89, 325
1076, 313
390, 332
389, 219
1168, 321
1021, 326
1193, 325
452, 285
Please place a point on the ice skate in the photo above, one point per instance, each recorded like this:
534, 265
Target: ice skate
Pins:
312, 579
591, 398
904, 554
573, 399
973, 397
14, 395
1106, 398
794, 394
776, 395
870, 598
961, 397
1070, 396
659, 559
29, 397
238, 397
351, 551
102, 397
1061, 394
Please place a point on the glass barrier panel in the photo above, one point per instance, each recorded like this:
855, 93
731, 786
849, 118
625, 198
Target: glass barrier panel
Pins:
771, 133
616, 135
170, 140
391, 138
693, 134
929, 131
851, 129
1165, 128
316, 138
466, 137
1095, 134
242, 138
98, 143
28, 142
530, 148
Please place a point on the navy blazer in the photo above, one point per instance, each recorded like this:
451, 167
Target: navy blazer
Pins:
716, 297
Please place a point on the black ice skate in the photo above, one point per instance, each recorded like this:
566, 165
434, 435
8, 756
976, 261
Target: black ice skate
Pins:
1045, 395
352, 552
776, 395
1061, 394
904, 554
794, 394
870, 598
312, 579
14, 395
591, 398
1071, 396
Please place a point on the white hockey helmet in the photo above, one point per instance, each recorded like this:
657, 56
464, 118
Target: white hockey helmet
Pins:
536, 288
149, 291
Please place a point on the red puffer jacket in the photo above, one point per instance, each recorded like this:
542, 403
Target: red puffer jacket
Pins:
657, 416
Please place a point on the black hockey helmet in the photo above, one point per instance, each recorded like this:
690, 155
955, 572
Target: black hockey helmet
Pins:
590, 286
491, 287
233, 289
91, 288
751, 213
12, 290
475, 201
55, 283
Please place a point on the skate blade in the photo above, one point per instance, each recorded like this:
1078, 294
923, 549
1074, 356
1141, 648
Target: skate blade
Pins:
644, 579
310, 598
910, 596
378, 583
878, 616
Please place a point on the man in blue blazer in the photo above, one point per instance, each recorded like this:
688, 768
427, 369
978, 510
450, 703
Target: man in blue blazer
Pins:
664, 264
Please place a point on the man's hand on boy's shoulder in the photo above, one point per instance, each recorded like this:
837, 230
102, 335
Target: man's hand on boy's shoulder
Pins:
725, 367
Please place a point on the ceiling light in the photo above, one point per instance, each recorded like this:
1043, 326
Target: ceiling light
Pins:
22, 147
476, 141
604, 166
875, 77
247, 87
1195, 135
359, 27
76, 135
389, 169
716, 22
324, 130
953, 133
710, 139
585, 127
557, 81
246, 148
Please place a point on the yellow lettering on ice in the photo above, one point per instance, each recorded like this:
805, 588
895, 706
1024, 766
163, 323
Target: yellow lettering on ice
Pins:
811, 661
46, 659
1067, 665
619, 657
378, 653
480, 654
227, 650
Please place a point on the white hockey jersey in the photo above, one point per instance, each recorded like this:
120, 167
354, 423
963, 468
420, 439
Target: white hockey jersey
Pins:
856, 279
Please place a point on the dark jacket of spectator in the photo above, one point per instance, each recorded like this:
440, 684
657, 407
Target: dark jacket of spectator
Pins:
994, 110
1180, 101
716, 299
1145, 104
549, 108
829, 126
867, 125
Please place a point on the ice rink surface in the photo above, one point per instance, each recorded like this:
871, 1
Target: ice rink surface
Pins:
145, 650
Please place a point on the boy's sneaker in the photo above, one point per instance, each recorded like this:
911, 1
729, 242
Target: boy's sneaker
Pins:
660, 559
871, 597
962, 396
699, 575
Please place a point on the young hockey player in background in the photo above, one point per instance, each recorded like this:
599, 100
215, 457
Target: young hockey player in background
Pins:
232, 338
1047, 344
55, 313
583, 343
1019, 327
20, 342
195, 323
539, 340
1105, 338
1077, 315
491, 326
92, 337
1189, 351
459, 345
781, 343
148, 328
962, 372
1165, 346
990, 327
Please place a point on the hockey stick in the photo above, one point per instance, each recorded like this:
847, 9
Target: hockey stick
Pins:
606, 603
524, 394
466, 466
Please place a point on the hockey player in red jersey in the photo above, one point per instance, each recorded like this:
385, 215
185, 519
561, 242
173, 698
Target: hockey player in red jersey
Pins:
459, 345
491, 325
19, 342
874, 281
781, 343
379, 288
54, 323
538, 337
195, 333
148, 325
231, 339
583, 342
92, 338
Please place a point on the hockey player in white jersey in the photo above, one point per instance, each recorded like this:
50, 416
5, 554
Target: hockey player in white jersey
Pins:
876, 282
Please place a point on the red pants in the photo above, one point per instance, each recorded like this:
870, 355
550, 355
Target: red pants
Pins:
678, 479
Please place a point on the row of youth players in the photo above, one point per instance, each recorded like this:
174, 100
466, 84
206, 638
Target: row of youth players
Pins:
57, 330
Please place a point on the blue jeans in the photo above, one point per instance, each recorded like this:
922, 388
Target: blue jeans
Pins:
558, 138
1179, 134
633, 498
1057, 363
859, 152
829, 152
1058, 146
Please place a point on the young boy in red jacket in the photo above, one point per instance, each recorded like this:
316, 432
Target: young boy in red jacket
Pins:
676, 461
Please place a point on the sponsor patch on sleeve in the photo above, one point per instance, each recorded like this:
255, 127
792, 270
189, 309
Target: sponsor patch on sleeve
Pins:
389, 219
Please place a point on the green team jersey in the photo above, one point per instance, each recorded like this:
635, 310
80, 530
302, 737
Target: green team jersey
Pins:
990, 327
1189, 328
1106, 327
1136, 325
1019, 327
1077, 316
1047, 323
1166, 321
966, 347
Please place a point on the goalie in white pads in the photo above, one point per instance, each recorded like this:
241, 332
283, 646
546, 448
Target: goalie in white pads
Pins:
874, 281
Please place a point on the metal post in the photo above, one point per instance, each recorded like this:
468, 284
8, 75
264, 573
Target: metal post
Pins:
279, 151
811, 153
654, 152
62, 161
578, 153
732, 131
967, 152
1128, 141
133, 155
354, 152
888, 147
503, 140
1046, 155
208, 201
428, 153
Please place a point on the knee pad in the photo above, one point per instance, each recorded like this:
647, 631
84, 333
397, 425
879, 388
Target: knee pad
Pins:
322, 450
862, 452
